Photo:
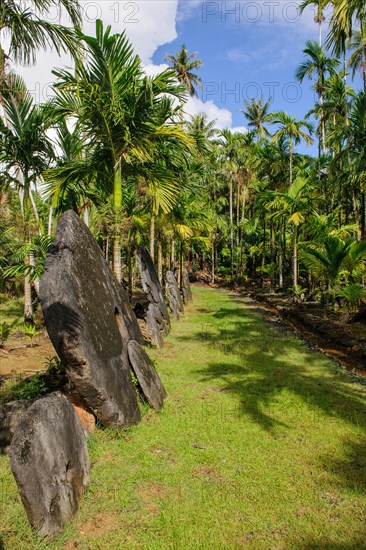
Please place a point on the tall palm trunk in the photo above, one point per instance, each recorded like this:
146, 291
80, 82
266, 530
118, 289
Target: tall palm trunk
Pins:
160, 258
86, 216
280, 266
152, 236
35, 211
291, 159
181, 265
241, 241
238, 211
117, 201
28, 309
231, 225
264, 242
322, 122
129, 270
213, 263
295, 272
173, 254
320, 29
49, 229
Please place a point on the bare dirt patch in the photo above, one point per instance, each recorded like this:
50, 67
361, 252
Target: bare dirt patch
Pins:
98, 524
20, 358
208, 473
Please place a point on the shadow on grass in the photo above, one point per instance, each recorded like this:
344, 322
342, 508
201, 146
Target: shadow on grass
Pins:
313, 544
279, 382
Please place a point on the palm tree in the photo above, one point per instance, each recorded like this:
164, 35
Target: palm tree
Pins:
22, 25
202, 131
293, 205
183, 65
125, 116
319, 63
326, 262
291, 129
319, 15
231, 143
25, 152
357, 60
257, 113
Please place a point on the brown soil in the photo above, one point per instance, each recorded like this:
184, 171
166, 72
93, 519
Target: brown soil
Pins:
19, 357
151, 494
341, 340
98, 524
208, 473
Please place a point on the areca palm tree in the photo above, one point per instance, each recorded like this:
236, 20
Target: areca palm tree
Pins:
318, 63
257, 114
183, 65
202, 131
357, 60
124, 114
25, 28
291, 129
319, 17
326, 262
231, 144
293, 205
25, 152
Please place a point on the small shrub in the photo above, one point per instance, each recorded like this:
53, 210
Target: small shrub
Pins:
30, 332
53, 364
27, 388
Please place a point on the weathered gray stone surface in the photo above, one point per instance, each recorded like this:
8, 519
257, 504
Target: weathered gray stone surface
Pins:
173, 295
50, 462
90, 321
146, 375
157, 317
186, 290
10, 415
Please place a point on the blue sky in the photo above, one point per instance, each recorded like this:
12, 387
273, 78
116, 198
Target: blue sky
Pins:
248, 48
245, 54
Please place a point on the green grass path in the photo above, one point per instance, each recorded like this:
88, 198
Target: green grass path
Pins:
261, 444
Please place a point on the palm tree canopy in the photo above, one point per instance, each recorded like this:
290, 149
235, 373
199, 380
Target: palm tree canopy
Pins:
24, 143
317, 62
184, 64
291, 128
320, 7
357, 43
257, 113
28, 31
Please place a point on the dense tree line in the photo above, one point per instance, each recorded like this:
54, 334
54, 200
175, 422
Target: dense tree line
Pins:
116, 146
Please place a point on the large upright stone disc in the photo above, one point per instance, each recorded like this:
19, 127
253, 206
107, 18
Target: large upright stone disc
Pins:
90, 321
50, 462
146, 375
173, 293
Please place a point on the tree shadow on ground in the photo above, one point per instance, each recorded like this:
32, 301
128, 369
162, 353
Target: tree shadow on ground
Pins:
263, 362
313, 544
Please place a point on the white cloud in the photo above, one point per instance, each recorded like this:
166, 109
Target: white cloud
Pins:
152, 69
223, 117
148, 24
240, 129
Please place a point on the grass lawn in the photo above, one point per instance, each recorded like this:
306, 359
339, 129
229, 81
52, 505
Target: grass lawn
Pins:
261, 444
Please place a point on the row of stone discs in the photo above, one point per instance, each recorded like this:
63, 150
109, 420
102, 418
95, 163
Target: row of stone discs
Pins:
157, 316
186, 287
95, 332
